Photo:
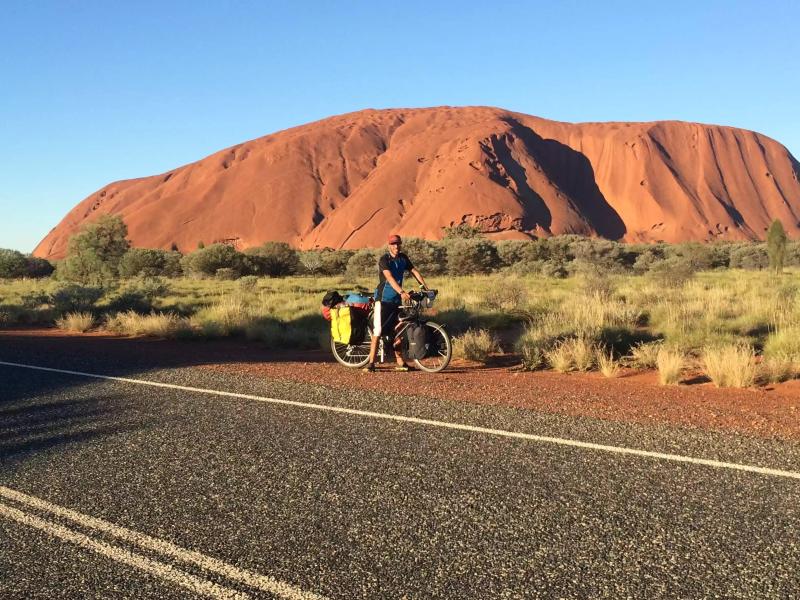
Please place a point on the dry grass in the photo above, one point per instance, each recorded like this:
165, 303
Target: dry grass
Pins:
777, 369
732, 365
608, 365
476, 345
574, 353
645, 356
157, 325
76, 321
670, 365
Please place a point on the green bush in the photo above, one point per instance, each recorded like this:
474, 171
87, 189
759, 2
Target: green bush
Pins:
94, 254
430, 258
466, 256
273, 259
749, 256
325, 261
364, 262
75, 298
207, 261
38, 267
226, 274
12, 264
149, 262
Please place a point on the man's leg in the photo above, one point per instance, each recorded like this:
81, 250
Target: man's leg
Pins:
376, 333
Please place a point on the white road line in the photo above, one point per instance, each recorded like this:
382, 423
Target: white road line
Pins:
195, 584
165, 548
433, 423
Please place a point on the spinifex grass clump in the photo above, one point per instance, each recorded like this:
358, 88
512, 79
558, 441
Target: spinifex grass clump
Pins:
733, 365
76, 321
670, 363
574, 353
166, 325
608, 365
476, 345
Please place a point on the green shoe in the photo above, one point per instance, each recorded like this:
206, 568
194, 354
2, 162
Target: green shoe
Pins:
404, 368
370, 368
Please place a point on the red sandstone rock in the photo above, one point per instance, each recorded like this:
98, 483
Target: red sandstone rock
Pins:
347, 180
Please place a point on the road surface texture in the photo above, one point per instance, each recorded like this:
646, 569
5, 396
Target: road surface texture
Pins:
118, 489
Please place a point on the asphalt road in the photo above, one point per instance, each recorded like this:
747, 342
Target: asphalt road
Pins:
115, 489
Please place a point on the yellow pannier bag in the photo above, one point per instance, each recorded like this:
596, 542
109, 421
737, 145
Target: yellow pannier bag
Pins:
348, 325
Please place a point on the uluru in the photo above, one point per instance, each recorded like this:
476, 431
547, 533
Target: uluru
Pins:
345, 181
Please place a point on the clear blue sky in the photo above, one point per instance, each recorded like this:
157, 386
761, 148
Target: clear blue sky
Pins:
92, 92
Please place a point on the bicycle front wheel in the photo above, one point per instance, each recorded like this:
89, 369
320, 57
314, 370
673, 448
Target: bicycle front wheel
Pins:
439, 349
354, 356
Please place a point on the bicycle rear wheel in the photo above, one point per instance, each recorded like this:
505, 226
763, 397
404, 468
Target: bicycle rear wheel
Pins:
439, 349
354, 356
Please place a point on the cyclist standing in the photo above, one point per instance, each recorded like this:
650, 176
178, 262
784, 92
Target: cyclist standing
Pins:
388, 296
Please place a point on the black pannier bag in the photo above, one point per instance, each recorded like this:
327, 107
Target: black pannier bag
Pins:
416, 337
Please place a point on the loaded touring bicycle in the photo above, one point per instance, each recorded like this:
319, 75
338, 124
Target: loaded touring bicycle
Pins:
423, 341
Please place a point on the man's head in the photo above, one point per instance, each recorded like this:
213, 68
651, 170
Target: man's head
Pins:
394, 244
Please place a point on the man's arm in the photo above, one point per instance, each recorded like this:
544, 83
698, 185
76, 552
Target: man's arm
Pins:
418, 276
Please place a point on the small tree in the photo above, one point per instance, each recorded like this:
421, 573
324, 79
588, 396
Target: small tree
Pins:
462, 231
93, 255
12, 264
38, 267
274, 259
207, 260
776, 246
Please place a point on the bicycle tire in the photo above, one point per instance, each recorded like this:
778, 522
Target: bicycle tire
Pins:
442, 347
352, 356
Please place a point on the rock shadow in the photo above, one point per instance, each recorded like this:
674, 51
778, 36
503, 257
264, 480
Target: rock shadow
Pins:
573, 174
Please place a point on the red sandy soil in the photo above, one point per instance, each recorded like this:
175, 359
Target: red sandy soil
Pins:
770, 412
347, 180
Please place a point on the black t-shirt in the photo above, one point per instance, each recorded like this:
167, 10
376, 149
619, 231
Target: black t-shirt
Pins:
397, 266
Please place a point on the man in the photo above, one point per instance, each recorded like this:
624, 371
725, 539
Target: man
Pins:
388, 296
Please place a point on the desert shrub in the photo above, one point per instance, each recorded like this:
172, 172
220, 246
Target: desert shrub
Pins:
476, 345
700, 257
75, 298
325, 261
38, 267
137, 295
732, 365
462, 231
226, 274
248, 283
12, 264
510, 298
34, 299
76, 321
533, 346
749, 256
670, 363
273, 259
555, 269
645, 355
149, 262
207, 261
278, 334
647, 259
511, 252
471, 256
672, 272
364, 262
599, 255
430, 258
94, 254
